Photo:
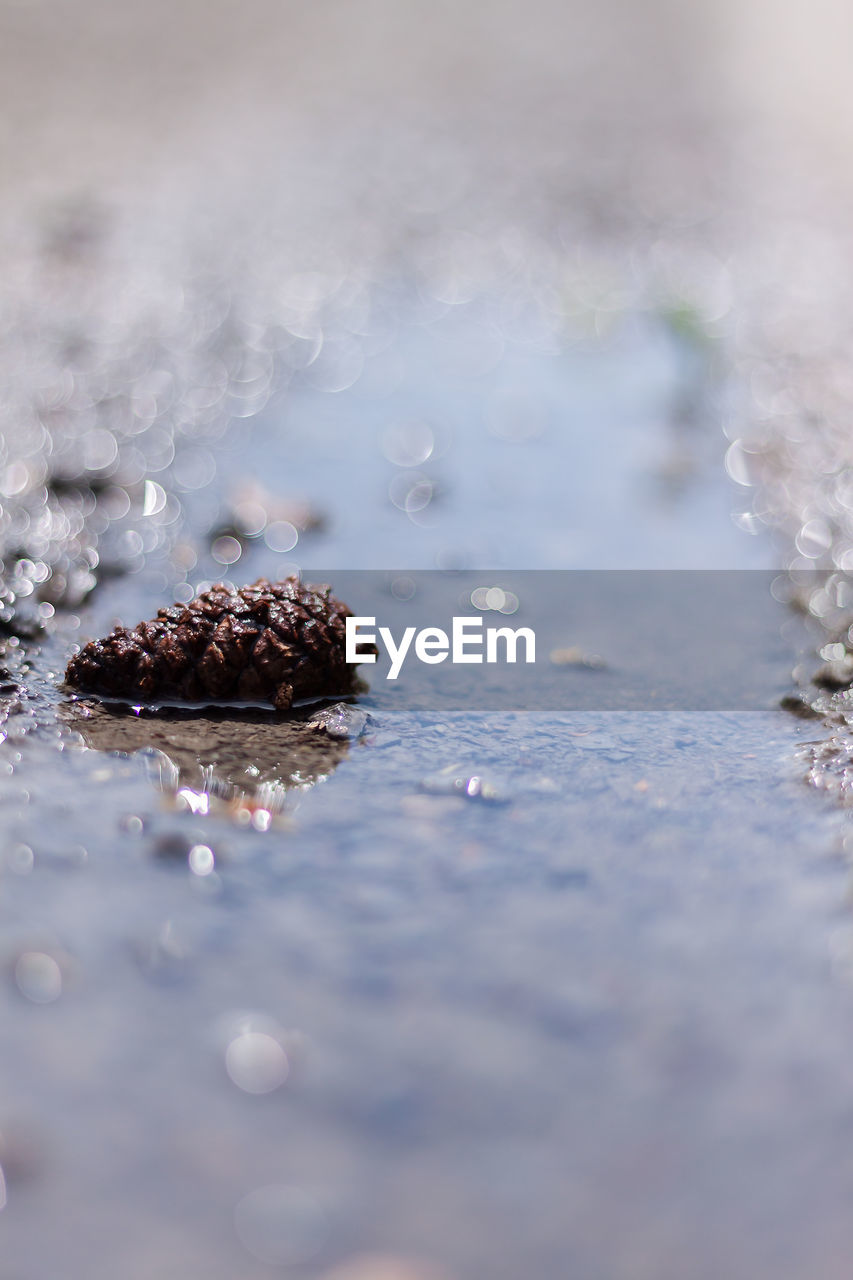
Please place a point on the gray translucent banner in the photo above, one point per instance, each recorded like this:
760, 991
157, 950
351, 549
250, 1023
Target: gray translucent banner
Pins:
608, 640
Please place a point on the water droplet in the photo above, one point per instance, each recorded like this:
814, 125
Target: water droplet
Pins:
38, 977
226, 550
281, 536
280, 1225
408, 444
154, 499
201, 860
20, 859
256, 1062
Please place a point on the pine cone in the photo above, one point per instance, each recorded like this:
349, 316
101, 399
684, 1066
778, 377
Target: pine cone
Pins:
269, 641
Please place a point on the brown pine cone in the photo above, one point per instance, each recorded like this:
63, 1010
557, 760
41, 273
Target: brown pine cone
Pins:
269, 641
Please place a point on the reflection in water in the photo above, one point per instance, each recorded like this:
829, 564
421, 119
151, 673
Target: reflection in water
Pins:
236, 761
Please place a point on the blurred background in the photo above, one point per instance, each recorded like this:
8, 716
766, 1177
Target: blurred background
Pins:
567, 216
394, 285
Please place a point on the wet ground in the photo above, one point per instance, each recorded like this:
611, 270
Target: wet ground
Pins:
436, 993
280, 999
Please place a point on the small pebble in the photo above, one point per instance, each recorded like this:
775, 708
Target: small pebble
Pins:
341, 721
